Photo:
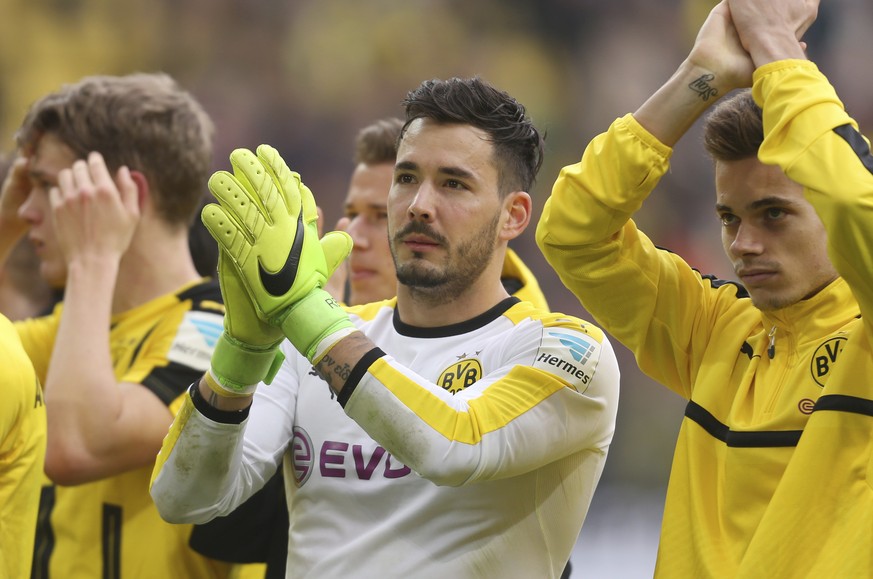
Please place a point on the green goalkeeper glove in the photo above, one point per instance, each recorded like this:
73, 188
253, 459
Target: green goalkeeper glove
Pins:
247, 352
266, 223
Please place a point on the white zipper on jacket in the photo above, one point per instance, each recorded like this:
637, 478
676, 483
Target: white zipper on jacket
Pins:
771, 349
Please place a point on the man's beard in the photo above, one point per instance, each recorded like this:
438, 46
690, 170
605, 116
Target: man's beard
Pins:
463, 266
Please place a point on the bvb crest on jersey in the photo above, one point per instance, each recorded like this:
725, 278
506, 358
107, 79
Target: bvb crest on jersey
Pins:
825, 357
460, 375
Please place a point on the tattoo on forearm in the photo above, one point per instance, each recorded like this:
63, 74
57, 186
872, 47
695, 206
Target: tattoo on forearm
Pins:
702, 87
333, 372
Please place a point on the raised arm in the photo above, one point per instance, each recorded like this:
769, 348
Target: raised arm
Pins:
649, 299
716, 65
96, 426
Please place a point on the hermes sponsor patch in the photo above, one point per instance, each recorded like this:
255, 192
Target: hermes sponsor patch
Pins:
195, 340
568, 355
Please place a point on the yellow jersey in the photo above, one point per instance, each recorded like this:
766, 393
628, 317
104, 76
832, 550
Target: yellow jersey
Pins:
110, 528
22, 453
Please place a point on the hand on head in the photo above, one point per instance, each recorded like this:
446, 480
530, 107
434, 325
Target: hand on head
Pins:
94, 215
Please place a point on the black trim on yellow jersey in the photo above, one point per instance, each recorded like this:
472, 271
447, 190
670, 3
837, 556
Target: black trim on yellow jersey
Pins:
713, 280
111, 540
357, 373
209, 290
747, 349
165, 381
858, 144
455, 329
45, 536
843, 403
716, 283
138, 347
740, 439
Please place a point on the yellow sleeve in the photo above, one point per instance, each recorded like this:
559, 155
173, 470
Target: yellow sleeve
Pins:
38, 339
22, 453
648, 298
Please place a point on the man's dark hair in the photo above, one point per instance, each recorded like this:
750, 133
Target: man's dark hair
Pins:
734, 130
518, 146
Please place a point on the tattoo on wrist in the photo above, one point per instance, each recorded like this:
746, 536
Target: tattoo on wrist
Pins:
331, 371
702, 87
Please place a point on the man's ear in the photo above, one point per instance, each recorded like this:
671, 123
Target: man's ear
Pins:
518, 207
142, 189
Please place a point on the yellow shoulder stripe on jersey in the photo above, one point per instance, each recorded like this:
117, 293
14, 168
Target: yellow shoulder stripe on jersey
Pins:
173, 435
523, 311
502, 402
368, 311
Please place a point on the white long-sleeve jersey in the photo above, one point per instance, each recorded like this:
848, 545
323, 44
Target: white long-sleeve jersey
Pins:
470, 450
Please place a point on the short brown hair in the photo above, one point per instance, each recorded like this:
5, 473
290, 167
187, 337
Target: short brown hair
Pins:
377, 143
144, 121
734, 130
518, 145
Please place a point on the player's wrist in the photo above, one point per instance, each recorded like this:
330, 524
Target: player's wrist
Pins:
767, 48
237, 368
214, 383
315, 323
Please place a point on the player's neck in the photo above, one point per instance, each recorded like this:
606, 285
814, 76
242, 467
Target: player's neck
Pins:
150, 270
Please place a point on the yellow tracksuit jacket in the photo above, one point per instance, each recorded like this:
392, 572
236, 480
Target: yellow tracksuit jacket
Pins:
773, 469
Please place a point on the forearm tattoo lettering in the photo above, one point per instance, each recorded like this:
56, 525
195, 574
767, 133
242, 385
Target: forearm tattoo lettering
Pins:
332, 372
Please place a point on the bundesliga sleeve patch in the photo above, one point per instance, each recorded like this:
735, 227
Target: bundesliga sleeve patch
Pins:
571, 356
195, 340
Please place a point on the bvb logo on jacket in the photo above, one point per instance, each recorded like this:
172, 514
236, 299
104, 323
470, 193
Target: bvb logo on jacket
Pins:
824, 357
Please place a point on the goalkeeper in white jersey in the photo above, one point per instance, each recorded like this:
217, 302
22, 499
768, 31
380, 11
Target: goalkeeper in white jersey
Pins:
452, 431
